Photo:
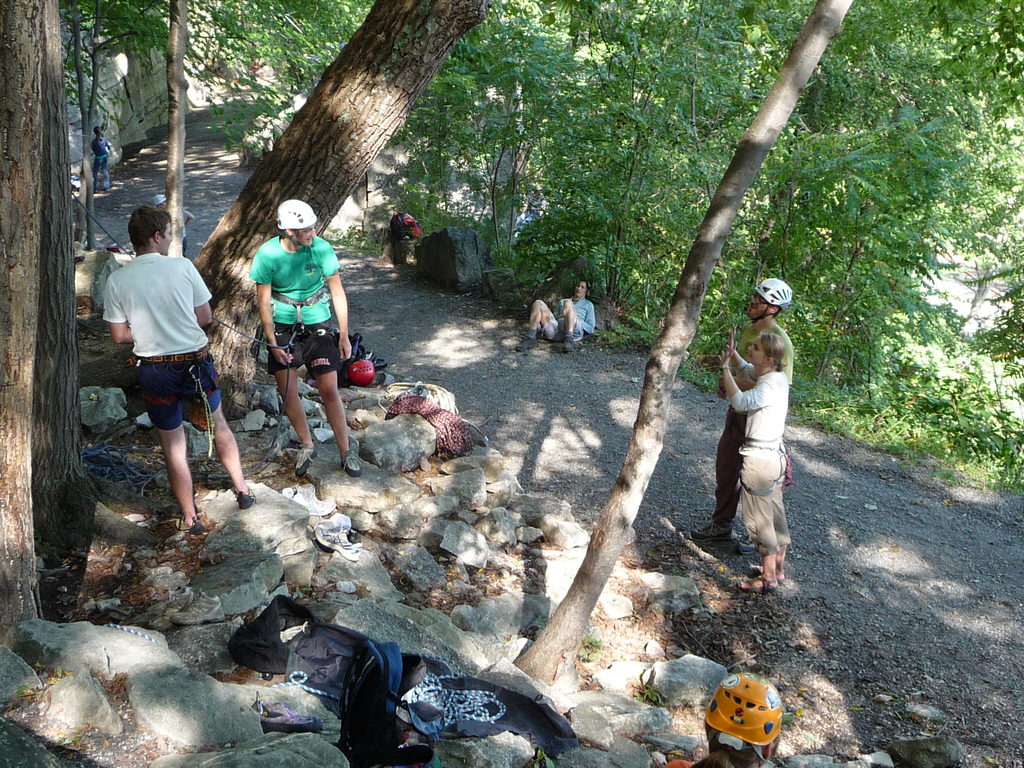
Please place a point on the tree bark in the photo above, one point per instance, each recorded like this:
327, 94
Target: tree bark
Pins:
63, 498
21, 123
556, 646
362, 100
176, 107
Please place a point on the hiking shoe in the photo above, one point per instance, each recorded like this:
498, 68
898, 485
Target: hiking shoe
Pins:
304, 460
283, 719
526, 345
194, 529
202, 610
570, 346
330, 534
712, 533
245, 500
352, 465
744, 547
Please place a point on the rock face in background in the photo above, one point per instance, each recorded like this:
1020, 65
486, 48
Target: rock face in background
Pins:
131, 102
454, 257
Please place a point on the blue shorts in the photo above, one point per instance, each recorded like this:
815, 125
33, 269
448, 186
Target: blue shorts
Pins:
167, 385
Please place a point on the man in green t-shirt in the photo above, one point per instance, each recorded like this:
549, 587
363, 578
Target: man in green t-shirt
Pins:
770, 297
297, 283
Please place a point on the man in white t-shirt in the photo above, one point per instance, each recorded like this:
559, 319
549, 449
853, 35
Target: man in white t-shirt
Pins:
159, 305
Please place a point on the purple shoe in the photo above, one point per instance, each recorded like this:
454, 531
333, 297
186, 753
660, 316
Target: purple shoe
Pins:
283, 719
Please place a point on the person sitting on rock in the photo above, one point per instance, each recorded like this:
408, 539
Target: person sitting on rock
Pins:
576, 318
160, 305
743, 723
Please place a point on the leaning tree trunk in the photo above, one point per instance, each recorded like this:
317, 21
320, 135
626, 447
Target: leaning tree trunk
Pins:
557, 643
362, 100
176, 42
21, 124
62, 495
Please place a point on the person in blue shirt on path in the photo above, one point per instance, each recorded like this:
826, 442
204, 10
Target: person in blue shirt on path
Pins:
576, 317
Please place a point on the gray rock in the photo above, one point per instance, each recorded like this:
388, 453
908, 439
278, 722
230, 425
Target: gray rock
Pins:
673, 594
623, 676
101, 408
376, 490
454, 257
381, 623
498, 526
599, 717
267, 399
615, 606
918, 711
502, 490
19, 750
112, 529
79, 702
686, 681
465, 543
511, 613
274, 523
873, 760
241, 582
507, 674
177, 705
367, 573
401, 522
670, 741
527, 534
468, 486
567, 534
466, 644
399, 443
254, 421
532, 508
502, 750
273, 750
15, 674
80, 645
811, 761
432, 533
934, 752
428, 507
204, 648
492, 464
559, 568
418, 566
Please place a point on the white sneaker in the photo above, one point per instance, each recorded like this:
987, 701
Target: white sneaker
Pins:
333, 534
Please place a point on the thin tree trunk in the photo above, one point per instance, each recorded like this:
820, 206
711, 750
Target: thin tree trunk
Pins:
21, 123
63, 498
176, 108
362, 100
555, 648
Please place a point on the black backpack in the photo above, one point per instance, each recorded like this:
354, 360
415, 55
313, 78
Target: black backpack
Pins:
361, 680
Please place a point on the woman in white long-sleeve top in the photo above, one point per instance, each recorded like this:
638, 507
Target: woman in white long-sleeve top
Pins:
764, 457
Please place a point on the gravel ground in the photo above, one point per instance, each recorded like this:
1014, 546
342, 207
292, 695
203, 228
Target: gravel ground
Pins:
901, 591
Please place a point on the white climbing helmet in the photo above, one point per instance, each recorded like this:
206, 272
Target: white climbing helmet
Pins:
775, 292
295, 214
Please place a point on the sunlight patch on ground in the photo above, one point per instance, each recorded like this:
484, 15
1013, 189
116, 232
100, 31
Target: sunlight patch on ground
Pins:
891, 559
821, 468
567, 448
451, 347
987, 626
623, 410
818, 705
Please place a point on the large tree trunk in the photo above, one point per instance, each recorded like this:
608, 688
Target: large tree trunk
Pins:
62, 495
362, 100
556, 646
23, 25
176, 42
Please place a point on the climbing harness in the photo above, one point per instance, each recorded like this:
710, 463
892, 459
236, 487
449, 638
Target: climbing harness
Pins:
316, 298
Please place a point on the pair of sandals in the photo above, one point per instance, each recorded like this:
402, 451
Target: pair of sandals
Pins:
757, 584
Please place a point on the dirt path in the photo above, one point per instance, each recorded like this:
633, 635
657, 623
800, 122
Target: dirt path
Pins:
901, 591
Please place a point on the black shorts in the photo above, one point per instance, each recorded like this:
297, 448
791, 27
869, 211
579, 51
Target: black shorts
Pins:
316, 348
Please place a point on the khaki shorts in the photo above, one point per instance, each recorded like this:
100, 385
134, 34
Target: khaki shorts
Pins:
764, 514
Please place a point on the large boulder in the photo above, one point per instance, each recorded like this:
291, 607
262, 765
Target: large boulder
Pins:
454, 257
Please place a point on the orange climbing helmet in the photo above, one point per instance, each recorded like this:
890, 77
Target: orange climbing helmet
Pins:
747, 708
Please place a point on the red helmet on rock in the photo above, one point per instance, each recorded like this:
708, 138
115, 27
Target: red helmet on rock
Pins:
361, 373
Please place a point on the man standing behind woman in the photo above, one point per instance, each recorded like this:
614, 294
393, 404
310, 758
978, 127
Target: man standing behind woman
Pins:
764, 459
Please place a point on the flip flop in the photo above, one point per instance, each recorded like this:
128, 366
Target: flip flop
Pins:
751, 586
